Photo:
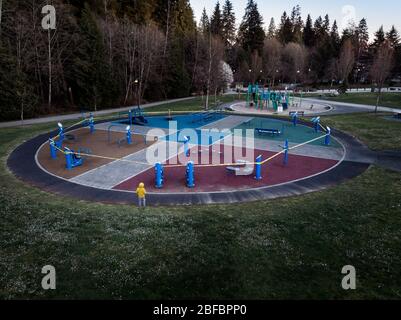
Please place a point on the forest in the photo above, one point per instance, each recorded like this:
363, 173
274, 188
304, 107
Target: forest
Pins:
111, 53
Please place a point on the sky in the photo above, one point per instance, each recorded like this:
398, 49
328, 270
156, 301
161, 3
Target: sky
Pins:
377, 12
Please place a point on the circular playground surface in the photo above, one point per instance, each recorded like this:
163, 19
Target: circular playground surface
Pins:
303, 107
209, 157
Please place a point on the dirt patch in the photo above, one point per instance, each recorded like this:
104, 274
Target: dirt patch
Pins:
98, 143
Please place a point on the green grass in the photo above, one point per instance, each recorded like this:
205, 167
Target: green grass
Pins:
195, 104
372, 129
391, 100
284, 249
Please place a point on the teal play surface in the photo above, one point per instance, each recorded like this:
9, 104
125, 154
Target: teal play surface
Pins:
192, 121
297, 135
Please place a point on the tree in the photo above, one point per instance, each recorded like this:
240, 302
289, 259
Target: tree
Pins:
285, 32
228, 23
309, 33
272, 59
393, 37
335, 39
379, 39
345, 64
297, 24
204, 25
251, 32
216, 21
294, 61
381, 67
271, 31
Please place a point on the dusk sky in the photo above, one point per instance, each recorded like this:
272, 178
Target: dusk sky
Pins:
377, 13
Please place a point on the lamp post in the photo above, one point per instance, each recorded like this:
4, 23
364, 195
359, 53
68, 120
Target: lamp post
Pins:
136, 82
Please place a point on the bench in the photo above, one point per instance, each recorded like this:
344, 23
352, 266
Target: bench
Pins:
268, 131
300, 113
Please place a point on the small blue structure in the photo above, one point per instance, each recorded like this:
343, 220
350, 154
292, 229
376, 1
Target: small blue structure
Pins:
186, 146
259, 168
294, 118
159, 171
72, 159
129, 137
91, 123
327, 139
316, 122
190, 175
286, 148
53, 150
61, 136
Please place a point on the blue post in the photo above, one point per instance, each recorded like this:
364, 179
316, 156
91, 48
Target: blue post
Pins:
129, 138
295, 119
259, 168
130, 117
91, 123
53, 150
159, 175
190, 175
327, 139
286, 148
316, 121
68, 158
186, 146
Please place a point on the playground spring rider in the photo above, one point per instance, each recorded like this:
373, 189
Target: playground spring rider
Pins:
190, 175
72, 159
159, 171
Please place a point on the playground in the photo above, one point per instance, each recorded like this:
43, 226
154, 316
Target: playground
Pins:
203, 157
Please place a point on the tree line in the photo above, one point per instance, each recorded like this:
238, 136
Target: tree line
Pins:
106, 53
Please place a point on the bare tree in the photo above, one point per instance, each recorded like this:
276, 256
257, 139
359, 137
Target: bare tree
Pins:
294, 61
345, 63
272, 59
381, 68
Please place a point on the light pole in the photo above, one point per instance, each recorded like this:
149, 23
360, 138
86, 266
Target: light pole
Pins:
136, 82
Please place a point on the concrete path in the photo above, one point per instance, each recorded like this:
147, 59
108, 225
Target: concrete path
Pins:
346, 107
116, 172
229, 122
75, 116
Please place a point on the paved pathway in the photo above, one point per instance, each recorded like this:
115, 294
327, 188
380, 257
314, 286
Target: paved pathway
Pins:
75, 116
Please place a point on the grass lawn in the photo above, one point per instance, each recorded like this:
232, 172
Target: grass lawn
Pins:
391, 100
281, 249
372, 129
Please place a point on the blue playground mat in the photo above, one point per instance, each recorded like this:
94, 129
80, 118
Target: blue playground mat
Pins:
184, 121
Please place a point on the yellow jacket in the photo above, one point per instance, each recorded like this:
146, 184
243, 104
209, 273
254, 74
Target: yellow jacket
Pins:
141, 191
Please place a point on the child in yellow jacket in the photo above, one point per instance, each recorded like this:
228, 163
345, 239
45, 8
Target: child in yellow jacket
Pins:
141, 192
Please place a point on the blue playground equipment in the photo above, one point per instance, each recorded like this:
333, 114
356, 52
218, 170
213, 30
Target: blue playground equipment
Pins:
316, 123
259, 168
129, 135
53, 150
186, 146
286, 148
91, 123
159, 171
72, 159
294, 118
252, 97
61, 136
327, 139
133, 116
190, 177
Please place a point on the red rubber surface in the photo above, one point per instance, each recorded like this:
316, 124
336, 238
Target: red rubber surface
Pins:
209, 179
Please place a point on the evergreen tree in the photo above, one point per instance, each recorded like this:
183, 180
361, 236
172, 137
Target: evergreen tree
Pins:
335, 39
379, 39
216, 22
204, 25
393, 37
228, 22
297, 24
91, 74
285, 33
252, 34
271, 32
309, 33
